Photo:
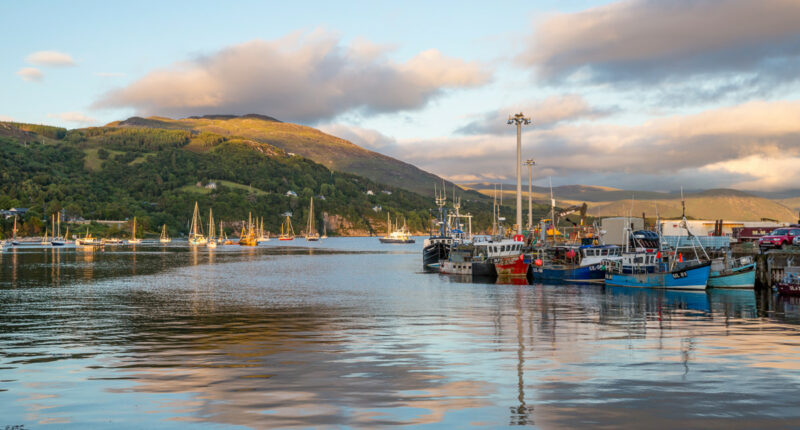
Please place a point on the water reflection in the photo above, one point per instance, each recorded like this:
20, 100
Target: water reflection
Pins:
287, 337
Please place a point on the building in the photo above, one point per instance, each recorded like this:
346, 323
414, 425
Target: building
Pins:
291, 193
612, 230
706, 227
370, 193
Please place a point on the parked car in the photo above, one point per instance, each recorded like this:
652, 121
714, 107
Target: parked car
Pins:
779, 238
796, 241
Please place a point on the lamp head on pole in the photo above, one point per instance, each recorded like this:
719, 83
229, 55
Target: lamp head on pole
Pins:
518, 119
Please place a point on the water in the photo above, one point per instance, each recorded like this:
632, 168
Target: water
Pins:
350, 333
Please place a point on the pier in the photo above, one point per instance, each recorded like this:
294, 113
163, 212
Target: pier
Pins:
772, 265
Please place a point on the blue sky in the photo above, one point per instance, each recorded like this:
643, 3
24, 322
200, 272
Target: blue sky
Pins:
699, 90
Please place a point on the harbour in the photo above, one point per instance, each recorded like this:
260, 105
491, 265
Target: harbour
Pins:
261, 337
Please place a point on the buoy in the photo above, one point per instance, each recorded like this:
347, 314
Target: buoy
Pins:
538, 262
521, 257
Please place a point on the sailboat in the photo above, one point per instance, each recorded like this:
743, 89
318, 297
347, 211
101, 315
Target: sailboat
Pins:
212, 241
248, 236
196, 230
133, 238
311, 231
44, 239
57, 239
287, 232
324, 231
223, 238
262, 237
14, 241
164, 238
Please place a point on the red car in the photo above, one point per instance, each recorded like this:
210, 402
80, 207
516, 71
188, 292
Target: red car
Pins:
779, 238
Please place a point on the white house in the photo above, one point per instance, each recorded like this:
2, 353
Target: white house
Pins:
291, 193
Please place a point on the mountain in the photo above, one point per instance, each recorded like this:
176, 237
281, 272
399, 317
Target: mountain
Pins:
157, 173
706, 204
334, 153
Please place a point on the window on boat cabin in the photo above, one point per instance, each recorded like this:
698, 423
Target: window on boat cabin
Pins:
638, 260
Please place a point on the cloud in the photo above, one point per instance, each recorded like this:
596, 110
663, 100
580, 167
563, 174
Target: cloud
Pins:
647, 41
364, 137
76, 117
302, 77
31, 74
6, 118
50, 58
716, 148
544, 114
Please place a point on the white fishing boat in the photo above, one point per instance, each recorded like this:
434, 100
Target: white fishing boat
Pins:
399, 235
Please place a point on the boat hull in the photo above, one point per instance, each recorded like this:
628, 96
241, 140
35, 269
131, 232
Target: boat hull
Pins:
388, 240
591, 273
744, 277
512, 268
434, 253
788, 289
688, 278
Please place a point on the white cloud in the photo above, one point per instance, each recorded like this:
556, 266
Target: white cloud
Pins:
716, 148
50, 58
646, 41
73, 116
301, 77
31, 74
364, 137
543, 113
6, 118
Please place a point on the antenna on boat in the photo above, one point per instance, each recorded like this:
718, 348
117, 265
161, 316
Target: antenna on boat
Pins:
552, 210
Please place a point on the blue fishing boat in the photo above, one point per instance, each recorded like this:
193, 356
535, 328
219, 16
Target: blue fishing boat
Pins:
573, 263
657, 273
732, 273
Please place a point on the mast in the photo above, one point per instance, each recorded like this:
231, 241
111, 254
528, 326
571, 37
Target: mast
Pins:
552, 211
59, 224
133, 233
14, 231
210, 224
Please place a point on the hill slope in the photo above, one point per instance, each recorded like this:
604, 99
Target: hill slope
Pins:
332, 152
153, 173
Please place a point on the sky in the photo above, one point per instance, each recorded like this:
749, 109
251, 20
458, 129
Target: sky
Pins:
640, 94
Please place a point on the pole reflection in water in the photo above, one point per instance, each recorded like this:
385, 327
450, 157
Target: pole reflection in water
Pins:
292, 337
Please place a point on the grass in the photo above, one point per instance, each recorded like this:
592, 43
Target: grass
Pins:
193, 188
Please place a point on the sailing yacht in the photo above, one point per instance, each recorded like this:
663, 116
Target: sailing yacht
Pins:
44, 239
311, 231
57, 239
262, 237
14, 241
133, 238
287, 232
164, 238
212, 241
196, 231
324, 231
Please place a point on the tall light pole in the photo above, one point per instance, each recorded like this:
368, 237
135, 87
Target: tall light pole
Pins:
520, 120
530, 164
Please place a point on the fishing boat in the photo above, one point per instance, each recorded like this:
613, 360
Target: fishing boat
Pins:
57, 239
196, 236
480, 257
573, 263
436, 246
212, 240
728, 272
164, 238
248, 235
111, 241
88, 240
789, 285
311, 231
399, 235
287, 232
133, 240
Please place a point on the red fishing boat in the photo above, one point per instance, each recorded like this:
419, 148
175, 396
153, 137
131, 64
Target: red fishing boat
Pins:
789, 285
511, 267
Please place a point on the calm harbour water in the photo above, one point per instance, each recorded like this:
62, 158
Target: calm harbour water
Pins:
351, 333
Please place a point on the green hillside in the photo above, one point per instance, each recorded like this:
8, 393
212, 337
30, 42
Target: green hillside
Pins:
336, 154
116, 173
